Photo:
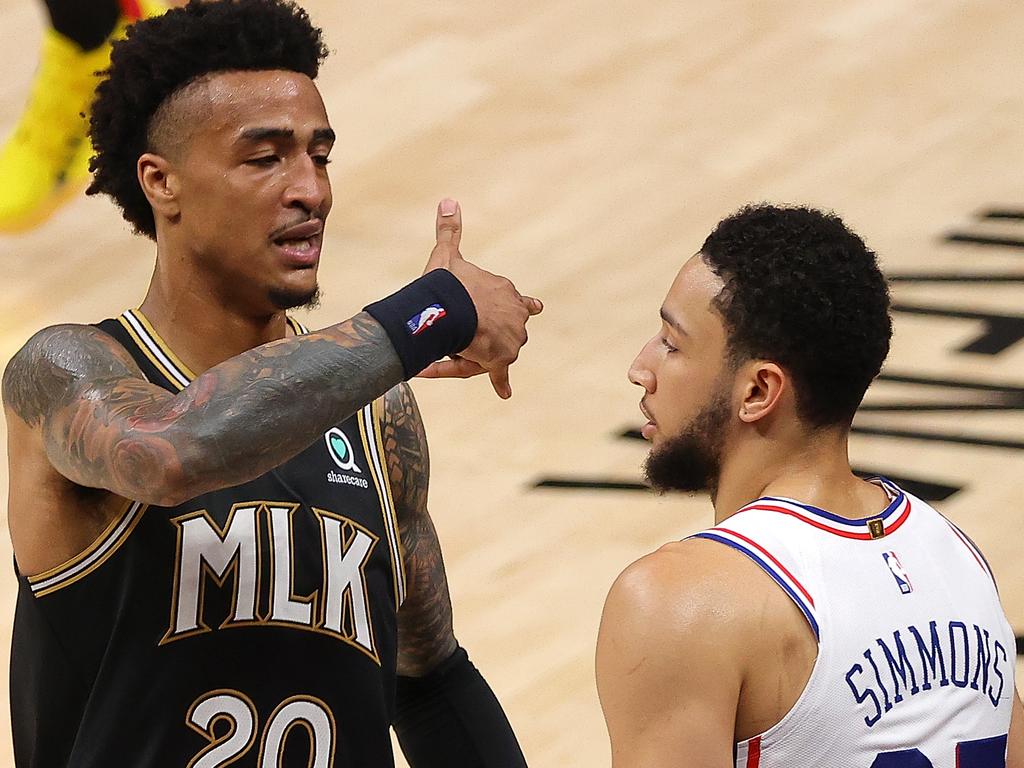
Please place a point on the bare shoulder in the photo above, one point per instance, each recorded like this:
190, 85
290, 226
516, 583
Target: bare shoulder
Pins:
671, 643
698, 596
682, 586
52, 365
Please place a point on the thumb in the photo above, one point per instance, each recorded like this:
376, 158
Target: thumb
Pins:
449, 232
449, 223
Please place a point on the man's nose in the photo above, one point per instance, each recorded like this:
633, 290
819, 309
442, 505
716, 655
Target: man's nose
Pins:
640, 372
307, 187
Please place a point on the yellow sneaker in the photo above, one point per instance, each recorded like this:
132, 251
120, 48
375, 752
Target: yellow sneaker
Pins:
45, 162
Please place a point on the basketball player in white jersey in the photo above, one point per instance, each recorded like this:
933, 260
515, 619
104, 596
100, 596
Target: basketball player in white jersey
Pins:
825, 621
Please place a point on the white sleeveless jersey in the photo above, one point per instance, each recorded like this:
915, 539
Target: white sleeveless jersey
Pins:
915, 665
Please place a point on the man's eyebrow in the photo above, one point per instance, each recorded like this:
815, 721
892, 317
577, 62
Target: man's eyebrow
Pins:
263, 134
671, 321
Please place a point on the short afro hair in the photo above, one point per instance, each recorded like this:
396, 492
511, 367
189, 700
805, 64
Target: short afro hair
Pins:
803, 290
162, 55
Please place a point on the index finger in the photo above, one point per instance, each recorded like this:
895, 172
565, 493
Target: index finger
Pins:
499, 380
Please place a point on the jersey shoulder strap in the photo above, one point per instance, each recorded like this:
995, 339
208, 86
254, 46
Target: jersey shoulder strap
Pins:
125, 330
750, 533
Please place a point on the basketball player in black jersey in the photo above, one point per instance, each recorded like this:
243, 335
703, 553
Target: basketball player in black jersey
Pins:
219, 521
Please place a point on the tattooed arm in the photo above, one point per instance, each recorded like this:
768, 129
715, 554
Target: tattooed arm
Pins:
425, 636
104, 426
446, 714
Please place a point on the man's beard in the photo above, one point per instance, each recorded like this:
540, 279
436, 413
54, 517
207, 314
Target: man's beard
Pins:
295, 299
692, 460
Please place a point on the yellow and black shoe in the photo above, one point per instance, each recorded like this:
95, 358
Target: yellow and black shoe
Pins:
45, 161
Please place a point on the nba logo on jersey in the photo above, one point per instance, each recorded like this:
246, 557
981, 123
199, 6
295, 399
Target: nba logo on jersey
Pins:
902, 579
420, 322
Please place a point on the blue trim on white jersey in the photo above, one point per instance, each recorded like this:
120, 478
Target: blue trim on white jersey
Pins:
888, 485
800, 603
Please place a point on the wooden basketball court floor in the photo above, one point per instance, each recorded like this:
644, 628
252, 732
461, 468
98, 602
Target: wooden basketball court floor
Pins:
593, 145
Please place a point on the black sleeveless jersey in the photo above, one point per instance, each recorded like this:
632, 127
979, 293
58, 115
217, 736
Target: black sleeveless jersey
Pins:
253, 626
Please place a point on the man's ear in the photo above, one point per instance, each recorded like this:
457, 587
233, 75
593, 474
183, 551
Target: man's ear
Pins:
763, 390
160, 184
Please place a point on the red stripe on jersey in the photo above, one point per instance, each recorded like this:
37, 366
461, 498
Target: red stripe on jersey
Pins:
754, 752
817, 524
901, 520
771, 557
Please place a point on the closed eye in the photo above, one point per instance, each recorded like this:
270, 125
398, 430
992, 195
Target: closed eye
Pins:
264, 161
322, 160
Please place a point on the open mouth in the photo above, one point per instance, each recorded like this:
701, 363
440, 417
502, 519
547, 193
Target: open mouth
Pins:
298, 246
301, 243
648, 429
645, 412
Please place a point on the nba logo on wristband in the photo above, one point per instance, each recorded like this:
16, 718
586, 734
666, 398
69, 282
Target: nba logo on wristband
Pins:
423, 320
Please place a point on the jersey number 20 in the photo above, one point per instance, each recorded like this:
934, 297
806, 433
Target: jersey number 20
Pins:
981, 753
236, 709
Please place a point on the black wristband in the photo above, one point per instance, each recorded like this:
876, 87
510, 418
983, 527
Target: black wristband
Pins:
428, 319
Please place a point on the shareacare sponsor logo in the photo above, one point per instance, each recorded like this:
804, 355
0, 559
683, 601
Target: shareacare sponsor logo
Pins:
340, 449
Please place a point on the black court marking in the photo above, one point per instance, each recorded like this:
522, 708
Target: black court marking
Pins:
595, 484
929, 490
940, 437
937, 407
970, 396
1001, 331
964, 384
953, 277
1013, 214
923, 489
987, 240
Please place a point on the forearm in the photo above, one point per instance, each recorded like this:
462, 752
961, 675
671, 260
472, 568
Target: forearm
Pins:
104, 426
451, 718
265, 405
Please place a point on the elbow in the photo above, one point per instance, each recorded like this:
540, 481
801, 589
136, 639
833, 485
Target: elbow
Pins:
154, 471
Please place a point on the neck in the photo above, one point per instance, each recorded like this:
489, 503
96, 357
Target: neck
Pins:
811, 468
200, 326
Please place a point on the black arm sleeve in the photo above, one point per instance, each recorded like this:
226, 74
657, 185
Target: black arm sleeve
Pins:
451, 718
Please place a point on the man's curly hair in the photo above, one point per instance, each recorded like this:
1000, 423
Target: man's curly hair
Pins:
803, 290
161, 56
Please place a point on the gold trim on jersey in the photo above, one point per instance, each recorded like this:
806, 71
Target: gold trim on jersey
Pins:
321, 627
263, 614
217, 741
373, 450
84, 563
231, 571
375, 414
149, 348
392, 522
310, 730
297, 328
153, 346
183, 369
